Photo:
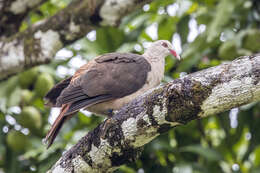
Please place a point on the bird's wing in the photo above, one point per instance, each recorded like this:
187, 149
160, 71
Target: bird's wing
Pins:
51, 97
109, 76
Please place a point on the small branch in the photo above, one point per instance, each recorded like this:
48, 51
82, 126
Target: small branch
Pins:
120, 139
39, 43
12, 13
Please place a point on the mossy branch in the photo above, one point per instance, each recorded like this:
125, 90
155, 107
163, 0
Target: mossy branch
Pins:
12, 14
40, 42
119, 139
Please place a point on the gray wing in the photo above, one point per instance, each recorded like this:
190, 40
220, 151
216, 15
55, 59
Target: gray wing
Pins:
112, 76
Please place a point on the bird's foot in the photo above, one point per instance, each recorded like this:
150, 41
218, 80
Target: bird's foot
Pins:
111, 112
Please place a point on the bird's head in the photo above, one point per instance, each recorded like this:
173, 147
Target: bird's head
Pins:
161, 48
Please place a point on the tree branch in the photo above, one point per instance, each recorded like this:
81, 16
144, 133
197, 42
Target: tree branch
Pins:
12, 13
39, 43
120, 139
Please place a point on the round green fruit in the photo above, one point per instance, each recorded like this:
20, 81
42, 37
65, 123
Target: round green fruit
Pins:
28, 77
16, 140
26, 96
30, 118
43, 84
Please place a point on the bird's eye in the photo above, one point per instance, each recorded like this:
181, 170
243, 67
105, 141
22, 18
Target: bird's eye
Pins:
165, 44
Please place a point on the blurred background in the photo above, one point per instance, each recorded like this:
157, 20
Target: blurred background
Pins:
205, 33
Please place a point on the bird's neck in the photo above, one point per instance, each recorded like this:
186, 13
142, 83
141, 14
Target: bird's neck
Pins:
157, 67
152, 56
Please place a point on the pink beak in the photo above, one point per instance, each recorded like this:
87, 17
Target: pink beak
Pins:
175, 54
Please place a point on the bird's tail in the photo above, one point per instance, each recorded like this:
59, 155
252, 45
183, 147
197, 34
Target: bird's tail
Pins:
55, 128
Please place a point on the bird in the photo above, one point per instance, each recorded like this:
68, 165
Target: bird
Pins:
107, 83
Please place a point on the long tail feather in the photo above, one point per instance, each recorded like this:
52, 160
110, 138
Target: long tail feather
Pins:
55, 128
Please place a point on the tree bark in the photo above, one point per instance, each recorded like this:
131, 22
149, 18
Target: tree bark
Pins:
12, 14
40, 42
119, 139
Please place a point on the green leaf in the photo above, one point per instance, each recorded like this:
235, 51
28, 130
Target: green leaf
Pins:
181, 168
127, 169
197, 46
156, 4
225, 9
183, 29
126, 47
257, 156
208, 153
166, 28
109, 39
192, 54
84, 119
204, 15
251, 40
255, 170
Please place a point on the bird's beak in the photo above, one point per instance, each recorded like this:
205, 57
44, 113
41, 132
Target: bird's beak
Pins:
173, 52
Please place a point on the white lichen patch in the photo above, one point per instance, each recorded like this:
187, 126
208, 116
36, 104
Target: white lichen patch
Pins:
50, 43
80, 165
74, 28
228, 95
20, 6
146, 119
58, 169
12, 56
159, 115
175, 86
112, 10
146, 133
99, 155
129, 128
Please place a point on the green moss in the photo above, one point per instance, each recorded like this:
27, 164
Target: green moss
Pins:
184, 102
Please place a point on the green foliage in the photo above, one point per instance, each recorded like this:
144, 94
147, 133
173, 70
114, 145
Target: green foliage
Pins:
252, 40
207, 153
215, 144
228, 50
